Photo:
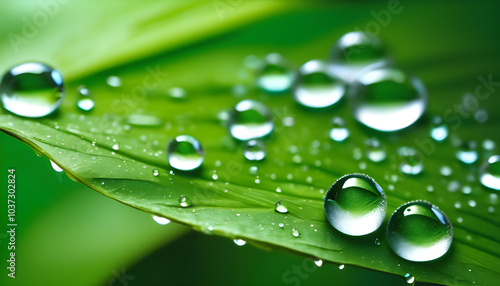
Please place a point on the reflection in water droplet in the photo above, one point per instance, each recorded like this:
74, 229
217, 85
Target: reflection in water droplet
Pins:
239, 242
275, 75
490, 173
419, 231
295, 232
156, 173
467, 153
411, 162
184, 201
316, 88
254, 150
250, 119
387, 99
355, 205
84, 99
338, 132
354, 53
410, 279
32, 90
161, 220
439, 130
375, 151
185, 153
55, 167
280, 207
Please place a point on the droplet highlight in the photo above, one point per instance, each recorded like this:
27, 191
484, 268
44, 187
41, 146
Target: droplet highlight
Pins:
185, 153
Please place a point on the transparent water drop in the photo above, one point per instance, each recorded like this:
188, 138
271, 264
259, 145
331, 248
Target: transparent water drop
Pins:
445, 171
377, 241
55, 167
316, 88
143, 120
490, 173
184, 201
250, 119
411, 161
481, 115
410, 279
253, 170
156, 172
472, 203
489, 144
185, 153
439, 130
341, 266
467, 152
116, 146
280, 207
177, 93
375, 151
419, 231
318, 262
354, 53
84, 99
275, 74
114, 81
161, 220
281, 225
239, 242
295, 232
355, 205
32, 90
254, 150
387, 99
453, 186
339, 131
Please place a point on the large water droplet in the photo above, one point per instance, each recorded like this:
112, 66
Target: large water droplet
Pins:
467, 152
280, 207
338, 132
275, 75
490, 173
387, 99
185, 153
250, 119
411, 162
419, 231
439, 130
316, 88
84, 99
32, 90
254, 150
354, 53
355, 205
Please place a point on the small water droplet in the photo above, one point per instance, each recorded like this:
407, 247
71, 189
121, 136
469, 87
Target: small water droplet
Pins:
387, 99
254, 150
143, 120
375, 151
472, 203
316, 88
445, 171
488, 144
410, 279
453, 186
114, 81
490, 173
481, 115
439, 130
253, 170
278, 189
177, 93
339, 132
156, 172
185, 153
275, 75
467, 152
318, 262
355, 205
430, 188
239, 242
250, 119
185, 201
56, 167
377, 241
32, 90
116, 146
84, 99
411, 162
341, 266
281, 225
280, 207
419, 231
161, 220
295, 232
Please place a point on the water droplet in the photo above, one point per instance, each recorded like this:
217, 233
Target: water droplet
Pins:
472, 203
143, 120
445, 171
419, 231
161, 220
239, 242
280, 207
156, 172
387, 99
316, 88
281, 225
253, 170
375, 151
467, 153
453, 186
250, 119
439, 130
185, 153
355, 205
377, 241
295, 232
275, 75
84, 99
355, 52
318, 262
114, 81
411, 162
488, 144
185, 201
481, 115
177, 93
410, 279
341, 266
254, 150
490, 173
430, 188
338, 132
32, 90
55, 167
278, 189
116, 146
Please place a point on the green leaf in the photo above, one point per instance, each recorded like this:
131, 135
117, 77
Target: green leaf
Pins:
206, 58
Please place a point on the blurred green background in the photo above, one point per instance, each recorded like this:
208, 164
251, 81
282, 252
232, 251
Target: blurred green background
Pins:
70, 235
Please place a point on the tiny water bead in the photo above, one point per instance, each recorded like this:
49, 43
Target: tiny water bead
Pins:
387, 99
355, 205
254, 150
185, 153
280, 207
419, 231
439, 130
239, 242
467, 153
316, 88
410, 279
411, 161
32, 90
355, 52
56, 167
250, 119
375, 151
184, 201
161, 220
114, 81
295, 232
490, 173
156, 172
275, 74
84, 99
339, 131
